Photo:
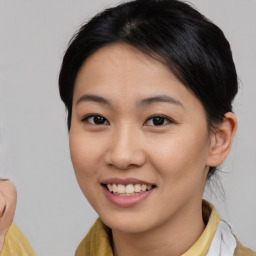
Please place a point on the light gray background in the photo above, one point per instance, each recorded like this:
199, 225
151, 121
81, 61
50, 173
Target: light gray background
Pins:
51, 210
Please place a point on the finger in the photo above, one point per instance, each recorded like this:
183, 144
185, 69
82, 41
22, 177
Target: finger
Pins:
2, 204
8, 198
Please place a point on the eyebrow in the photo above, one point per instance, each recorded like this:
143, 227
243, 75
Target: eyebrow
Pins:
93, 98
160, 98
146, 101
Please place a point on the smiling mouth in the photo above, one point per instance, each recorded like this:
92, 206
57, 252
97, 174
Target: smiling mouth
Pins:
129, 189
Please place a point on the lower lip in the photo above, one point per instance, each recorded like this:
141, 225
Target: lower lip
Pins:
126, 201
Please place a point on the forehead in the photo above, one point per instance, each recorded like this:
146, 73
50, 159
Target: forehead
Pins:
121, 72
122, 61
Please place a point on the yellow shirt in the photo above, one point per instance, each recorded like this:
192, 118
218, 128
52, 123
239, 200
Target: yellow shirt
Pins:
98, 240
16, 244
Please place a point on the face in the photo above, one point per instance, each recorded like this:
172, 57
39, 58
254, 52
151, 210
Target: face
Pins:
139, 140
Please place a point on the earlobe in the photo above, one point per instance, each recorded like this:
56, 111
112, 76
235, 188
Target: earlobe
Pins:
221, 140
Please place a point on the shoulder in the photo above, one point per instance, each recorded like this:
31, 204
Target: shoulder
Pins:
16, 243
241, 250
96, 242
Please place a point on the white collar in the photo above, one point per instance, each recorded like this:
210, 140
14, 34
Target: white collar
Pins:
224, 242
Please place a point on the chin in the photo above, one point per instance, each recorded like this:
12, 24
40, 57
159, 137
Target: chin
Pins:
127, 222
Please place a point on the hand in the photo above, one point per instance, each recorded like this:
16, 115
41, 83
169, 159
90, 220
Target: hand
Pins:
8, 199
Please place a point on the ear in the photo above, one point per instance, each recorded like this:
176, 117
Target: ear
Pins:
221, 140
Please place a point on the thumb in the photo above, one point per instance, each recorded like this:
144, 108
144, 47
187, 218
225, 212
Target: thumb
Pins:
8, 199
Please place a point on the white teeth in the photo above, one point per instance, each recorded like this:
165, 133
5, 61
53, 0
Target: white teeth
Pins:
110, 187
144, 187
128, 189
120, 188
137, 188
149, 187
114, 188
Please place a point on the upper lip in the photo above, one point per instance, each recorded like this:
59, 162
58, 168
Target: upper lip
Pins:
125, 181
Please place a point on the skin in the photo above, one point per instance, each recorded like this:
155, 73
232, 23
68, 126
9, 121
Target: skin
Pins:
174, 156
8, 199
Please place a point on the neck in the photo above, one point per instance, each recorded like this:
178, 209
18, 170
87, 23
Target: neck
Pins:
173, 238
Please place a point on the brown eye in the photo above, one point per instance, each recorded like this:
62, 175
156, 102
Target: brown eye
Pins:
158, 121
95, 120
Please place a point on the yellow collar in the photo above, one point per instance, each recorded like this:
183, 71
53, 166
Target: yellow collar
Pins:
98, 239
203, 243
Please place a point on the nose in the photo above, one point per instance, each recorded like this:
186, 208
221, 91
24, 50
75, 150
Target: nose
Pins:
126, 149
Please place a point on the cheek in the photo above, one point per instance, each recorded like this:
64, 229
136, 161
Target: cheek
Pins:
177, 156
84, 155
180, 163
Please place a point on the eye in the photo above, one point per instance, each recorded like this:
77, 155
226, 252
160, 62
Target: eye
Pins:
95, 119
158, 120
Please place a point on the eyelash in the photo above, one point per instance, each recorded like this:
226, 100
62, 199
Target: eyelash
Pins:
87, 117
166, 120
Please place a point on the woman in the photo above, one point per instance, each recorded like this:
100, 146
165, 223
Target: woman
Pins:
149, 86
